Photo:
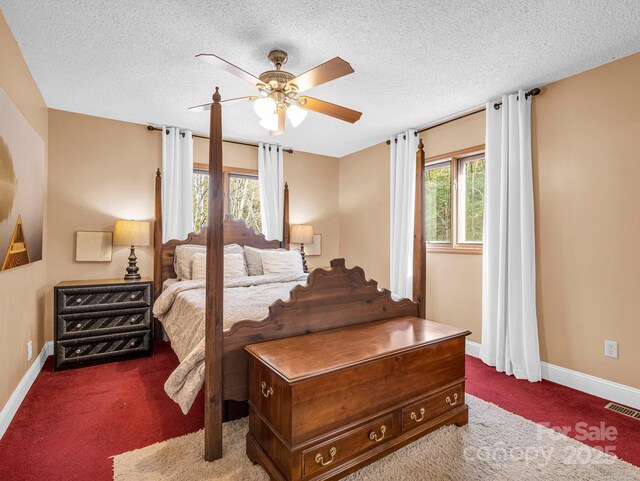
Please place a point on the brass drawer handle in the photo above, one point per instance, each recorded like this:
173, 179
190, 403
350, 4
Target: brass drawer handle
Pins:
78, 300
374, 437
320, 460
414, 416
454, 402
268, 392
78, 326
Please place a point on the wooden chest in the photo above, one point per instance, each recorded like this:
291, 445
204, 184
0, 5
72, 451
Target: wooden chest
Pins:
326, 404
102, 320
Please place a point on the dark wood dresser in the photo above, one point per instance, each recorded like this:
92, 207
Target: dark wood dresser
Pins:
325, 404
102, 320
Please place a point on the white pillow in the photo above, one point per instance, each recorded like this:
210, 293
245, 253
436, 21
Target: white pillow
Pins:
234, 266
254, 259
233, 249
199, 266
281, 262
182, 259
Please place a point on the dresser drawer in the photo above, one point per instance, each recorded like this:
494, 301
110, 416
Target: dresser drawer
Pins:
432, 407
330, 453
71, 352
89, 324
98, 298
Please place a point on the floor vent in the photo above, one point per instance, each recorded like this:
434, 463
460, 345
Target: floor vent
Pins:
632, 413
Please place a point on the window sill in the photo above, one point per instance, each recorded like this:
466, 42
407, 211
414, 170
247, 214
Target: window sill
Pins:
459, 249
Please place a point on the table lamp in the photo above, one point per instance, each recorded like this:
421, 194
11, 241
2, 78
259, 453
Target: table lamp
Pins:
302, 234
131, 233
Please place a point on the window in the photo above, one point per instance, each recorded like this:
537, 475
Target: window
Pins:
454, 201
242, 196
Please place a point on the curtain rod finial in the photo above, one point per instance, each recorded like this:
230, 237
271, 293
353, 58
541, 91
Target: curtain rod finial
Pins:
158, 172
216, 95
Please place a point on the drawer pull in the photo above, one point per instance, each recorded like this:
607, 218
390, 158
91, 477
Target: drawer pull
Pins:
133, 296
320, 460
78, 300
454, 402
374, 437
133, 343
78, 351
78, 326
268, 392
414, 416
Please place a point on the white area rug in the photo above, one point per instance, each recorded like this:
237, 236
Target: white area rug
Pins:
495, 445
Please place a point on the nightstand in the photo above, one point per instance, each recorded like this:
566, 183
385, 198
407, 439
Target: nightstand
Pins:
102, 320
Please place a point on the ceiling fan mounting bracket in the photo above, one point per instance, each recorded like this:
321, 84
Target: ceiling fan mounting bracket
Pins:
278, 58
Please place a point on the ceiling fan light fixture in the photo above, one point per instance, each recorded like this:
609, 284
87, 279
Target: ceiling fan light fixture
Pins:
270, 122
265, 107
296, 115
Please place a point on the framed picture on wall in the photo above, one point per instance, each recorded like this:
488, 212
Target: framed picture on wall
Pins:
94, 246
21, 188
315, 248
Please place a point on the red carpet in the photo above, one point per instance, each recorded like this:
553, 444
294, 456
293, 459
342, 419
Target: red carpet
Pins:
71, 422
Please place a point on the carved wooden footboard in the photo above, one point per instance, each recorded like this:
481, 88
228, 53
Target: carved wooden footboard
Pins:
332, 298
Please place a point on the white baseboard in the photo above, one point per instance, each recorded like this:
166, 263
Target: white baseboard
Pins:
10, 409
612, 391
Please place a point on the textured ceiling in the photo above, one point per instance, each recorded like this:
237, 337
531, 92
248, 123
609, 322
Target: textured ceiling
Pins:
414, 61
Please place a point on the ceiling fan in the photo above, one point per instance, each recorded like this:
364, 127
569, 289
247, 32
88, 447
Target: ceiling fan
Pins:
278, 91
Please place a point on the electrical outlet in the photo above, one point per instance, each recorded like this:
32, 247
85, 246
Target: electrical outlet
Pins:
611, 349
29, 351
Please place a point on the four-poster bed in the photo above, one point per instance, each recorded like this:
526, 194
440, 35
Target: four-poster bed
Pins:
333, 298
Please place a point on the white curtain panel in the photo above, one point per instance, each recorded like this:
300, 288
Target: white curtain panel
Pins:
509, 321
271, 177
403, 195
177, 184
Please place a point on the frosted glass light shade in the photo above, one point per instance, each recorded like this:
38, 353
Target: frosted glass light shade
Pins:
270, 122
301, 234
131, 233
264, 107
296, 115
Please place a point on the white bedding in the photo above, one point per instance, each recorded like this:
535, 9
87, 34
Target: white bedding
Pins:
181, 310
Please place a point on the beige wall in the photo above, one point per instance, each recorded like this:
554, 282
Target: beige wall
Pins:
586, 161
364, 211
102, 170
586, 166
22, 289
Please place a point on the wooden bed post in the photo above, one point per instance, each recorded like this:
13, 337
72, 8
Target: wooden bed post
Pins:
214, 291
285, 218
157, 237
419, 241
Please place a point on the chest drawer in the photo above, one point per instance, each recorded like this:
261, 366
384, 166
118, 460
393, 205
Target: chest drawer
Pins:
94, 349
96, 298
432, 407
102, 322
359, 440
329, 401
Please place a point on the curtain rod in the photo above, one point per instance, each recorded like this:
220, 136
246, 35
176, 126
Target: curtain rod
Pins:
151, 128
531, 93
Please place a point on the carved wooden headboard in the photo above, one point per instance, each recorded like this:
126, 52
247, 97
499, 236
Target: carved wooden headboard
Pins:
235, 231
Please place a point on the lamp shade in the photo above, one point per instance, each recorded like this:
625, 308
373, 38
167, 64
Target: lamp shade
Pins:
131, 233
301, 234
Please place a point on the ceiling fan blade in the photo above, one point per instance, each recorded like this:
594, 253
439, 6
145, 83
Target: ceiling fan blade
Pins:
331, 70
225, 103
327, 108
201, 108
281, 124
229, 67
